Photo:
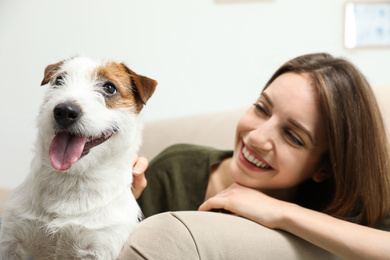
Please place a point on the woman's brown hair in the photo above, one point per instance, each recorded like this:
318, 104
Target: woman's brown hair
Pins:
358, 156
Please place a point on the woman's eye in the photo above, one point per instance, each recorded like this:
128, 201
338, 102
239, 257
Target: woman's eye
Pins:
260, 108
109, 88
294, 139
59, 81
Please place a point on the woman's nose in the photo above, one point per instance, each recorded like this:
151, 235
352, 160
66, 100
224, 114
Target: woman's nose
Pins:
264, 135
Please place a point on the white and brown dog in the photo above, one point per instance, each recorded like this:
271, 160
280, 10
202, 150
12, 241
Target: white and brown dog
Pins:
77, 203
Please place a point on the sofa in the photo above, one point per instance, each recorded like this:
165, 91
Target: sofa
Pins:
210, 235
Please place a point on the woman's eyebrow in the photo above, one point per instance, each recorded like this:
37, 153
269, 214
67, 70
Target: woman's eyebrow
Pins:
267, 98
302, 128
295, 123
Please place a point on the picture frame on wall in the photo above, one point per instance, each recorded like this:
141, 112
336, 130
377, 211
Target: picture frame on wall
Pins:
367, 24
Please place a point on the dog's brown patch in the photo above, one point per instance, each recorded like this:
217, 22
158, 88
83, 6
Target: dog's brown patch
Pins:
134, 89
118, 75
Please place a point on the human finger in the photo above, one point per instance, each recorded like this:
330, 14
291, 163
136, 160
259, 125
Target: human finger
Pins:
140, 166
139, 180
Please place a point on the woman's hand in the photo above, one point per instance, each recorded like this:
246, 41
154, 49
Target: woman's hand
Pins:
140, 164
248, 203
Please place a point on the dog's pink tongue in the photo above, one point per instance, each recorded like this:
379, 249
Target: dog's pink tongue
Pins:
65, 149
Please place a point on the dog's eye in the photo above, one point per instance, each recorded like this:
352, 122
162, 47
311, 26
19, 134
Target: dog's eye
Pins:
109, 88
59, 81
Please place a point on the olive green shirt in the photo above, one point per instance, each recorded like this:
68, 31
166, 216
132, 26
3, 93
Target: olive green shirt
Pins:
178, 178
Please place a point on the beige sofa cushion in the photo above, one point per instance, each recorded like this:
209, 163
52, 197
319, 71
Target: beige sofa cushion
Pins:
382, 94
215, 129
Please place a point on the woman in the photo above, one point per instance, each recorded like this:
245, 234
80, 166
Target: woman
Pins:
311, 158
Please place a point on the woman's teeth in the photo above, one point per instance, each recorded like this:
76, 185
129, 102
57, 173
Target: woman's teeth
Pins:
254, 160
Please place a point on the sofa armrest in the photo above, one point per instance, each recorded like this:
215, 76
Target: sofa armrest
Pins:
208, 235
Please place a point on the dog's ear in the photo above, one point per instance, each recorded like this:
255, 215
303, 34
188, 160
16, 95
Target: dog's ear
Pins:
144, 86
49, 71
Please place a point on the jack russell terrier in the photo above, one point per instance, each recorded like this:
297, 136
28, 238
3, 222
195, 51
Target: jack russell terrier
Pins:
77, 203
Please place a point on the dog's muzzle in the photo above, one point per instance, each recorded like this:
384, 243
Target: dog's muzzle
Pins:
68, 146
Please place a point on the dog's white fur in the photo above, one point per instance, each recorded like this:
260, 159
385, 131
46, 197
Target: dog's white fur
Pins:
87, 211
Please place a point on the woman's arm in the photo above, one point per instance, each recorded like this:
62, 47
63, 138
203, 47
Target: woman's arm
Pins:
344, 239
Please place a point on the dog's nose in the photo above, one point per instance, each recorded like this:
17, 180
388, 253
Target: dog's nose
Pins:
66, 114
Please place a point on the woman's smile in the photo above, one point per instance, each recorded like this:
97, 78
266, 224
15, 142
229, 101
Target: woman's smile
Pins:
253, 160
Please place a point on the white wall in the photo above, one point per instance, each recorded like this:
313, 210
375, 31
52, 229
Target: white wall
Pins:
205, 56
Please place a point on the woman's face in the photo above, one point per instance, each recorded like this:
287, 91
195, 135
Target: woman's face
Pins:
281, 139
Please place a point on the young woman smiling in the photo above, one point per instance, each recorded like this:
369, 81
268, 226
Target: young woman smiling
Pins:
311, 157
